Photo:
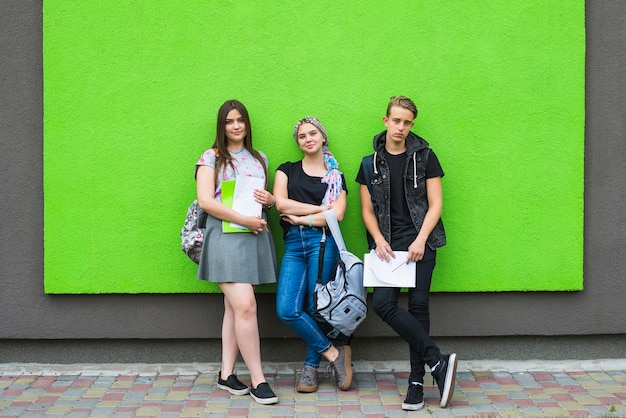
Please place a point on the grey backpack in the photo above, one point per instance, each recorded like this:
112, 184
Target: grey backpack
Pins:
340, 304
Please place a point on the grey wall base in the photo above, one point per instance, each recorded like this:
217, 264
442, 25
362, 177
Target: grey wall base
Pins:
588, 347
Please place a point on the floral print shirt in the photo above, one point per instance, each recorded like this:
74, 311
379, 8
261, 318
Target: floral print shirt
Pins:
245, 164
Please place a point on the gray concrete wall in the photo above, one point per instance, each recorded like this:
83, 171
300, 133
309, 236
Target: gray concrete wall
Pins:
191, 323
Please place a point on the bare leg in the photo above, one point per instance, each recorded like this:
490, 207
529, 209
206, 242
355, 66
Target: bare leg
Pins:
331, 354
241, 298
230, 350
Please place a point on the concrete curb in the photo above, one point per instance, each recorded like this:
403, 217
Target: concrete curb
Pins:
358, 366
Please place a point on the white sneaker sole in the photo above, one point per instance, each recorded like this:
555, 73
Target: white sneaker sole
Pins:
448, 389
265, 401
234, 391
412, 406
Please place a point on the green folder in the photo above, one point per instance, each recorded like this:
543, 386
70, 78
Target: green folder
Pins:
228, 193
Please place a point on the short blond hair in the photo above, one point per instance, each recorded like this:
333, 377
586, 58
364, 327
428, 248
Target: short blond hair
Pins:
404, 102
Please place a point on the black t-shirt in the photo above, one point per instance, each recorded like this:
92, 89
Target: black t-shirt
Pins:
401, 224
304, 188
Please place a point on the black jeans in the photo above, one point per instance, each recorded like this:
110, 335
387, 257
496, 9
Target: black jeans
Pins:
413, 325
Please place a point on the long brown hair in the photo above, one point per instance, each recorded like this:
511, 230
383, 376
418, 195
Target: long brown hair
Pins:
223, 158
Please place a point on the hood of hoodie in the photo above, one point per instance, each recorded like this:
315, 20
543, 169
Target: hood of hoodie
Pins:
414, 142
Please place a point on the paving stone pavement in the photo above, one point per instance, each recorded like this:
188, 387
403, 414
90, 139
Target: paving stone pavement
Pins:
484, 388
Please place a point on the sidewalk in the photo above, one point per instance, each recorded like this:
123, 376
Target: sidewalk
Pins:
487, 388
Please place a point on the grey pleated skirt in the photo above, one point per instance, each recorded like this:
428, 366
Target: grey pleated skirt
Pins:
239, 257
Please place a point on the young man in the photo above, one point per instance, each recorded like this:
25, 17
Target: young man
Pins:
401, 204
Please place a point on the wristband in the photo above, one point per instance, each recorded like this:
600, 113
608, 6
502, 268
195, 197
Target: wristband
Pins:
310, 221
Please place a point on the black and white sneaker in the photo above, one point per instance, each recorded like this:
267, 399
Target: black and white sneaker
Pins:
444, 373
232, 384
414, 400
264, 394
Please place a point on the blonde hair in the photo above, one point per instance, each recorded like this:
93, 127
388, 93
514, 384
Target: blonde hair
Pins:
402, 101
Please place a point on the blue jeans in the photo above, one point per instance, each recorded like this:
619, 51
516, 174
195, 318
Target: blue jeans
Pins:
296, 286
413, 325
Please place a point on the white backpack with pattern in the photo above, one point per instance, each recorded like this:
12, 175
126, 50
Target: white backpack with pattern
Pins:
192, 232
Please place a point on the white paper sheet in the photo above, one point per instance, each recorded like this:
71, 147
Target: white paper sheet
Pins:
395, 273
243, 197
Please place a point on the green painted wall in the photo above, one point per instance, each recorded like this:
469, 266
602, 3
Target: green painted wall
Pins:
131, 91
